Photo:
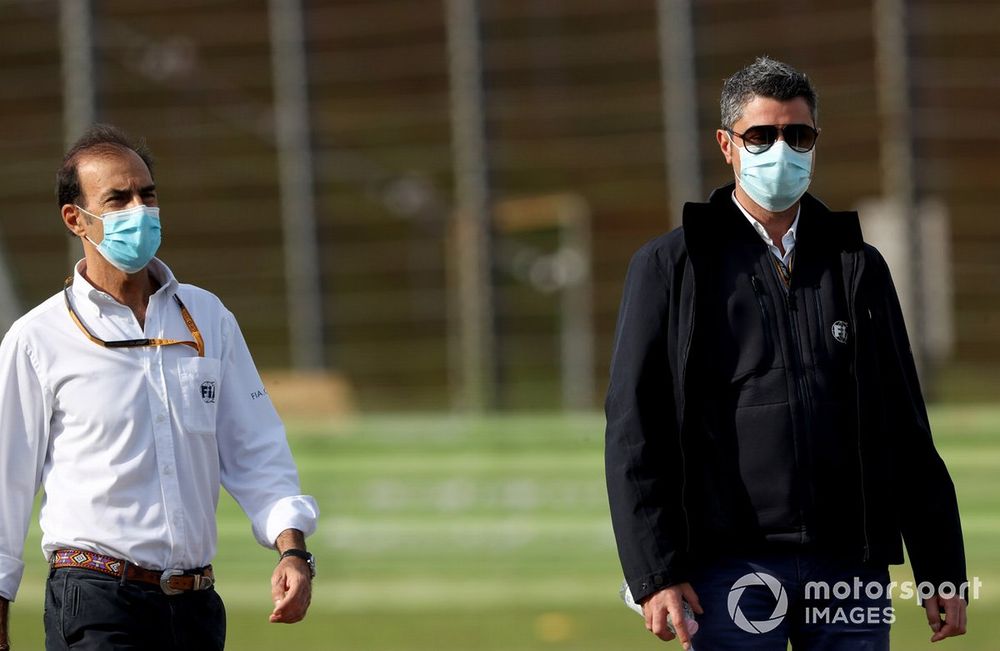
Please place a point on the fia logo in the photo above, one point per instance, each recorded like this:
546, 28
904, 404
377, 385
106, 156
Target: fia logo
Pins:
839, 330
208, 391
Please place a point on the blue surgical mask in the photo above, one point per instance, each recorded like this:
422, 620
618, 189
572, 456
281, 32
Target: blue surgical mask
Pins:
131, 237
776, 178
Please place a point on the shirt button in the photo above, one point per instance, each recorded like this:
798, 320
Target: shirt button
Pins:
168, 470
161, 418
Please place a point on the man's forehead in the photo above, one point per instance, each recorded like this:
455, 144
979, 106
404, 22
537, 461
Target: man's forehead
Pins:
767, 110
112, 165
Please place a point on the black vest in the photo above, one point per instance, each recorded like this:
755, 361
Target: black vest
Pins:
776, 446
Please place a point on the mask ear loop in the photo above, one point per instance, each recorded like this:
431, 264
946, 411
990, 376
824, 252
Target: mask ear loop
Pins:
729, 134
87, 237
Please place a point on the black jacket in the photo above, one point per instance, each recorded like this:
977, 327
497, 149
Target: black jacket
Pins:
899, 488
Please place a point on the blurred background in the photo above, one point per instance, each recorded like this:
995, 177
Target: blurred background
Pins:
421, 212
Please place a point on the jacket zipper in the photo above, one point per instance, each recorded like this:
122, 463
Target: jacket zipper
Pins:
791, 305
822, 324
852, 307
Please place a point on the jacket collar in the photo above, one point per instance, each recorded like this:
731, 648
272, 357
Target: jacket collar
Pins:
706, 224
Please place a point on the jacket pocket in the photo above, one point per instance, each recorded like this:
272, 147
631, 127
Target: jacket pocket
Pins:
199, 388
757, 354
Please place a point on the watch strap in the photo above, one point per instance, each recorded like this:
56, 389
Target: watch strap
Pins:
304, 555
297, 553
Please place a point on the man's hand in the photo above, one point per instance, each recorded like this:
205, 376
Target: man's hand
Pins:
291, 589
669, 603
291, 583
954, 620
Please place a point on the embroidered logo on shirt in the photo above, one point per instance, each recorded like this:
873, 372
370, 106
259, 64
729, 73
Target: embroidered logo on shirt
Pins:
839, 330
208, 391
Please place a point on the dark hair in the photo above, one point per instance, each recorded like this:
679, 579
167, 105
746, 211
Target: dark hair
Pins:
765, 77
98, 139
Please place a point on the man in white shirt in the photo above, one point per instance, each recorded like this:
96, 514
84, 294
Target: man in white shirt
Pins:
131, 399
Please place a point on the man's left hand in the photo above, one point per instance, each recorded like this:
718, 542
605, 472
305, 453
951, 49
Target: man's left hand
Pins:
954, 620
291, 589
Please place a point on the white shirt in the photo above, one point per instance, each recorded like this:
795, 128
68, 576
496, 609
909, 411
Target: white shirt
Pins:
787, 240
131, 444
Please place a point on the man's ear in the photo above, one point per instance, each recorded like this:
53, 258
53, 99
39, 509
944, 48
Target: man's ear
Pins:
725, 145
74, 219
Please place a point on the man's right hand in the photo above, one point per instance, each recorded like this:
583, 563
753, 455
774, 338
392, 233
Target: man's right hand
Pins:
669, 602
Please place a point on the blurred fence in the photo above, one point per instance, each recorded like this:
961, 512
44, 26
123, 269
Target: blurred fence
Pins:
573, 104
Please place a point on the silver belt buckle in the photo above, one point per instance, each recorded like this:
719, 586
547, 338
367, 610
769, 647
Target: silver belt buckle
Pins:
165, 581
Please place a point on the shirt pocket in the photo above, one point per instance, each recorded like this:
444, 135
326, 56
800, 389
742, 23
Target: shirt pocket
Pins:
199, 380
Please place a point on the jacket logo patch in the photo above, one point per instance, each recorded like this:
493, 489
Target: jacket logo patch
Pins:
839, 330
208, 391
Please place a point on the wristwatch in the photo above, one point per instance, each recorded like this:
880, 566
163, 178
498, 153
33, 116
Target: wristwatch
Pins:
304, 555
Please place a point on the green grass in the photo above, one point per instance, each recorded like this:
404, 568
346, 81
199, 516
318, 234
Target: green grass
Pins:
449, 534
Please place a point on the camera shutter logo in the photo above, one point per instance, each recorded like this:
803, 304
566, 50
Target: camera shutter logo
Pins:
780, 598
839, 330
208, 391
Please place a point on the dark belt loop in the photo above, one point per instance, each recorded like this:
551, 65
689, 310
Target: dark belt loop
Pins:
124, 573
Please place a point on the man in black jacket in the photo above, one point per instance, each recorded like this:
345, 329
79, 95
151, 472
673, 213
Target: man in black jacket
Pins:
766, 434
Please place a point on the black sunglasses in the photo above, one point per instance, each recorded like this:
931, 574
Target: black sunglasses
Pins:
758, 139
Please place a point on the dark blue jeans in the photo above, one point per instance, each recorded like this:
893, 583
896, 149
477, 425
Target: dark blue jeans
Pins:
86, 610
814, 600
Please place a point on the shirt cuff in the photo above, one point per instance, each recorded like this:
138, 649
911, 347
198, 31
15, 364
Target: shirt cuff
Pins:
295, 512
11, 571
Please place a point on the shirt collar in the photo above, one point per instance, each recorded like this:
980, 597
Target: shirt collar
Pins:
88, 297
787, 240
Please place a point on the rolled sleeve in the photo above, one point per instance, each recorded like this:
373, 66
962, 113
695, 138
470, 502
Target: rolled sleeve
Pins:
295, 512
256, 463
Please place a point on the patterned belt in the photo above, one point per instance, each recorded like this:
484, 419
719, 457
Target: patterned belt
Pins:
170, 581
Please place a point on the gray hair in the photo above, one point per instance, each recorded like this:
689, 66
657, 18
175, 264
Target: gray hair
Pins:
765, 77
